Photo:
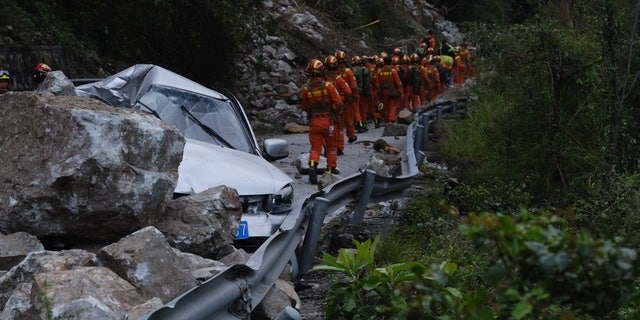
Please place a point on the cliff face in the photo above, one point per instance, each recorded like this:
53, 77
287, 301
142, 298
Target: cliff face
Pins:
260, 54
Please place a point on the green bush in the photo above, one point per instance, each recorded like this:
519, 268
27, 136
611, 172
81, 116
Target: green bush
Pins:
407, 290
544, 270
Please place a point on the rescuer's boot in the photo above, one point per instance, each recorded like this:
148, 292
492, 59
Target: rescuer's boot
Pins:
313, 172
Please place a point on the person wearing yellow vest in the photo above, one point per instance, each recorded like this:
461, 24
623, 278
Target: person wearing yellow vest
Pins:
320, 99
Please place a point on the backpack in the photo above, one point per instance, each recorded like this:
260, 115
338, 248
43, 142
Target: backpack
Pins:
363, 78
416, 79
403, 77
386, 77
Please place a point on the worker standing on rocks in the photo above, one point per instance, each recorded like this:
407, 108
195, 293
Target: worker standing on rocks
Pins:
320, 99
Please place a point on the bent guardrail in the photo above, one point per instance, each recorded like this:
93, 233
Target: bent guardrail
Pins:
235, 292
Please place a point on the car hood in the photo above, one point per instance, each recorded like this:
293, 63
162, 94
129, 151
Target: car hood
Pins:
206, 165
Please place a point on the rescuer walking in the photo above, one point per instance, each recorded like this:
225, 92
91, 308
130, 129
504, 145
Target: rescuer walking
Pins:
320, 99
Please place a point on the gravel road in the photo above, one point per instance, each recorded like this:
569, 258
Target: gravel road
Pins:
356, 155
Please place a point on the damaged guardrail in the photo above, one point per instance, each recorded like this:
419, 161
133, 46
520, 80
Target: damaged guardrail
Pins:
235, 292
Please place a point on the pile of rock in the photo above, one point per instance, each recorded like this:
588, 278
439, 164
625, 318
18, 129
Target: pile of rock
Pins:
95, 184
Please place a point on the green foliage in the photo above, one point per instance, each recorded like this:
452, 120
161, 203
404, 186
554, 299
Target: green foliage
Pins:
537, 118
609, 206
492, 195
544, 270
397, 291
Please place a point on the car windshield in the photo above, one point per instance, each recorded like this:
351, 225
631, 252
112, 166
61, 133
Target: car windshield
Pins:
219, 117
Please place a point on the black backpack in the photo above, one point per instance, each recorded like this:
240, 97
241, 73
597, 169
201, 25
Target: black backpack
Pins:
363, 78
416, 79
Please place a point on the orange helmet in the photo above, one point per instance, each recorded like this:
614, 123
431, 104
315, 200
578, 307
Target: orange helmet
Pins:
422, 44
405, 59
384, 54
425, 61
395, 60
415, 57
40, 72
397, 51
341, 56
379, 62
315, 67
436, 59
331, 62
430, 50
42, 67
356, 60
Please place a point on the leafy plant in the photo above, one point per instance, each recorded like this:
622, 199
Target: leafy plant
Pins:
396, 291
545, 270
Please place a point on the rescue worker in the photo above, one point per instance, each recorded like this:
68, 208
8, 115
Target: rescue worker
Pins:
40, 72
351, 115
4, 80
434, 87
415, 89
332, 75
321, 99
376, 107
391, 93
459, 68
442, 76
429, 40
422, 50
363, 78
447, 50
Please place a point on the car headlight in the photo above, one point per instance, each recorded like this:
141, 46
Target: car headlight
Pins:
282, 200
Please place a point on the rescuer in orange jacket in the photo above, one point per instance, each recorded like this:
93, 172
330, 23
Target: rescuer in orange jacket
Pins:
320, 99
351, 115
391, 93
332, 75
415, 90
377, 107
429, 40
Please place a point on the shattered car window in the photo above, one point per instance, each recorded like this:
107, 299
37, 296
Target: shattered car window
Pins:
218, 115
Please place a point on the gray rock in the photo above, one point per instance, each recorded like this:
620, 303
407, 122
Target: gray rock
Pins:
84, 293
202, 223
81, 168
145, 260
15, 247
39, 262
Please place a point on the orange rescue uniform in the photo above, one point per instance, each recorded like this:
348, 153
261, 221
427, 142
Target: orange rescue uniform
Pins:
321, 99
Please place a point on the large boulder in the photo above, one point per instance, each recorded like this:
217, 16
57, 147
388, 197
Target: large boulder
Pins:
203, 223
145, 259
41, 262
15, 247
74, 166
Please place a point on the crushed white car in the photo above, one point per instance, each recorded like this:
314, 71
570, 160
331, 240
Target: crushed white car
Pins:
220, 148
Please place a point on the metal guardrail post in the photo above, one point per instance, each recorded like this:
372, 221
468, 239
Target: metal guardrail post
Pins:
419, 133
425, 138
369, 177
455, 107
312, 236
439, 112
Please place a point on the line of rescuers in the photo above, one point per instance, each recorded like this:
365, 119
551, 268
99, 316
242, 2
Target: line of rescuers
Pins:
341, 98
40, 72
